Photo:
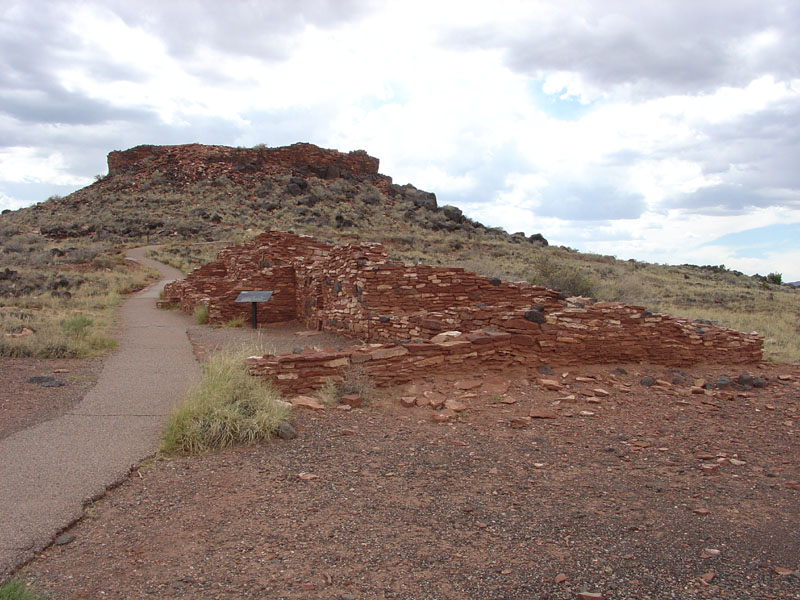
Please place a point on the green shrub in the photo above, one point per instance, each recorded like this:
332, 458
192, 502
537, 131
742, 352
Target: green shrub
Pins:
234, 323
229, 407
566, 278
77, 326
776, 278
16, 589
200, 314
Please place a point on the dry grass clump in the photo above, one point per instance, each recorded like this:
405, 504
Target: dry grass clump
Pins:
55, 305
200, 314
354, 380
229, 407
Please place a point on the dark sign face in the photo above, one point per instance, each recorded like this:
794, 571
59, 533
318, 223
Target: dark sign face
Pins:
254, 296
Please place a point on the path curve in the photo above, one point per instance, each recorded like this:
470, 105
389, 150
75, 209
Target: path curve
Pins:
48, 471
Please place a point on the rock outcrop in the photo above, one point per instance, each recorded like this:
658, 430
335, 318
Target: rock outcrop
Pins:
194, 162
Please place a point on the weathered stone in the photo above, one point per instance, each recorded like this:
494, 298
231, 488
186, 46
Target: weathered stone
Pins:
535, 316
495, 386
445, 336
455, 406
351, 400
724, 382
443, 416
468, 384
550, 384
647, 381
286, 431
388, 353
307, 402
64, 539
542, 413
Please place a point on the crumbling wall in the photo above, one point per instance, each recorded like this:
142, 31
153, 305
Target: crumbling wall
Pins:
604, 333
355, 290
386, 364
269, 262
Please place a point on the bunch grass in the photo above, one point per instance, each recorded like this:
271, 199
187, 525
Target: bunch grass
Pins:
228, 407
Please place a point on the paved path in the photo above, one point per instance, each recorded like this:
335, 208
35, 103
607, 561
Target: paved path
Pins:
49, 470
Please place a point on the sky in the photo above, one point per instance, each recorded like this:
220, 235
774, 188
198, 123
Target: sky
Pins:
665, 131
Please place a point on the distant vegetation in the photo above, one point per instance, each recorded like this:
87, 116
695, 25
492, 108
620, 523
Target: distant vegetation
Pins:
57, 299
89, 225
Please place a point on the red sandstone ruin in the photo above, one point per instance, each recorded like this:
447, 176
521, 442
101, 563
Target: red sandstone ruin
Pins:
189, 163
415, 320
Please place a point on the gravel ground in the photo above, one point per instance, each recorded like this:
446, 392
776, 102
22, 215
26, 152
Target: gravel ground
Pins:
643, 492
24, 404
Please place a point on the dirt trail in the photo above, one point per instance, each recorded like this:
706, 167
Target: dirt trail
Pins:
48, 471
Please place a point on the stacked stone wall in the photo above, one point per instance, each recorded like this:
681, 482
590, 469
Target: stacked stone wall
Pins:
385, 364
269, 262
568, 338
355, 290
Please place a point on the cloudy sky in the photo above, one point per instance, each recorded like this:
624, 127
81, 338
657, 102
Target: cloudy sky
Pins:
665, 130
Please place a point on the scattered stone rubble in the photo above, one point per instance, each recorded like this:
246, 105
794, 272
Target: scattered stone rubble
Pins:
418, 319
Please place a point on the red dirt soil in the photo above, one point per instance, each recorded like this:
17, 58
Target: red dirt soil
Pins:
642, 493
23, 404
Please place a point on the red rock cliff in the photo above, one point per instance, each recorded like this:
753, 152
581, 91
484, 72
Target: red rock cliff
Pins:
196, 161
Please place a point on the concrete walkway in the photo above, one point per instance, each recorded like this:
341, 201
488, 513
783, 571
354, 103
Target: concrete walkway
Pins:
48, 471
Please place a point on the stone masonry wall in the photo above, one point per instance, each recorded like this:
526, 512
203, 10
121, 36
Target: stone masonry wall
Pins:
386, 364
267, 263
355, 290
629, 337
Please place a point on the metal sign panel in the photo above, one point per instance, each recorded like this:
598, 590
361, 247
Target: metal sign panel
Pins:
254, 296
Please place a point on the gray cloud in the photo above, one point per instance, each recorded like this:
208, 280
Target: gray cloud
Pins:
262, 30
655, 47
751, 156
58, 106
589, 202
719, 200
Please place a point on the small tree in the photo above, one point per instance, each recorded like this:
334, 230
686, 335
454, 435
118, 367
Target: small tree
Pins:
776, 278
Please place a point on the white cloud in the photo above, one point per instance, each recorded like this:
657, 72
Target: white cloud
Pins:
29, 165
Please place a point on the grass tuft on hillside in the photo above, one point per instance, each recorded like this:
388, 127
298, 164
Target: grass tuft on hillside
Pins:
57, 300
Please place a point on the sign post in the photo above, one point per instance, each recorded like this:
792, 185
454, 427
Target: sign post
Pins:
254, 297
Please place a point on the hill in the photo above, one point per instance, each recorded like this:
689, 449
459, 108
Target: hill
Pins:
204, 193
192, 195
